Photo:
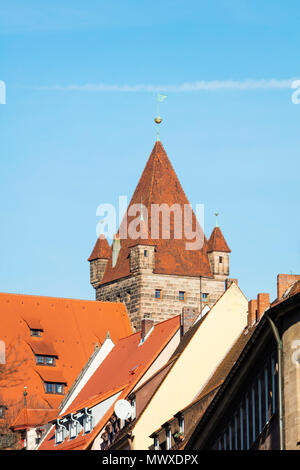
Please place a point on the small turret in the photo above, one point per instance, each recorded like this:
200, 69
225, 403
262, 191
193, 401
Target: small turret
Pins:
142, 251
98, 260
218, 254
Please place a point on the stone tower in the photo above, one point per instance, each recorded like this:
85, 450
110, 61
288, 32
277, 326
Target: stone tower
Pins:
158, 275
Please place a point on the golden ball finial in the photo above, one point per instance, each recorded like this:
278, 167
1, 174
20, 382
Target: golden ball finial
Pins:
158, 119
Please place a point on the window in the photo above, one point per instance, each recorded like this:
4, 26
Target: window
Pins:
181, 424
168, 436
2, 411
205, 297
181, 295
73, 429
52, 387
145, 253
128, 296
58, 388
158, 294
254, 411
87, 423
133, 408
50, 360
220, 259
35, 332
45, 360
156, 443
61, 433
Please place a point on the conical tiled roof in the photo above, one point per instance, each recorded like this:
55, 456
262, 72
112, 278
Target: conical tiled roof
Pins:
217, 242
101, 249
159, 185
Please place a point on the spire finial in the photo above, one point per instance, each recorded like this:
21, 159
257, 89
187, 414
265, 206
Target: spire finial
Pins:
216, 214
158, 119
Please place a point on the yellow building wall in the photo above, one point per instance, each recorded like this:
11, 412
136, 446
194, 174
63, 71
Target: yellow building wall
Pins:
221, 327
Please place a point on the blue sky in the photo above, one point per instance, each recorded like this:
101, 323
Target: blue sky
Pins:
72, 138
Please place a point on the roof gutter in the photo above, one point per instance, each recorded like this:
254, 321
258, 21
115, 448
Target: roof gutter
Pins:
280, 380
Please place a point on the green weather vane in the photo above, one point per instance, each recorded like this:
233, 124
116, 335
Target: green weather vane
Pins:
158, 119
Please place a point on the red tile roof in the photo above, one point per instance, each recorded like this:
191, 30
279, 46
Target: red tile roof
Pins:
101, 249
159, 185
42, 347
71, 330
31, 418
121, 370
217, 242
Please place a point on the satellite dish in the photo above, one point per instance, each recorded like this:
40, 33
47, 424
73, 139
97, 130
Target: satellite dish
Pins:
123, 409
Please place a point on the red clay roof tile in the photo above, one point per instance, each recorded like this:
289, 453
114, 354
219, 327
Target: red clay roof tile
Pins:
114, 374
159, 185
71, 330
217, 242
101, 249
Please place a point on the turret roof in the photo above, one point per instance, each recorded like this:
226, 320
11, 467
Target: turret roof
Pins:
217, 242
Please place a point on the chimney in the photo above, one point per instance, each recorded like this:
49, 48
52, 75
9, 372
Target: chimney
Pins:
252, 312
146, 325
188, 317
263, 302
230, 281
284, 281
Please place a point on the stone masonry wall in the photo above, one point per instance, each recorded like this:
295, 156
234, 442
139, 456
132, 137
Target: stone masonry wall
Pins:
138, 294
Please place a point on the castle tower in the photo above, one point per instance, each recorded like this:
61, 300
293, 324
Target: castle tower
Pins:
218, 254
98, 260
155, 273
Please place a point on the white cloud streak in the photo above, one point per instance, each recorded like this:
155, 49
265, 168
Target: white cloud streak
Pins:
202, 85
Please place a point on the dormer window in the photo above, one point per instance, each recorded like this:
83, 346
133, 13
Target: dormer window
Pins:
52, 387
45, 360
61, 432
3, 408
35, 332
87, 423
73, 429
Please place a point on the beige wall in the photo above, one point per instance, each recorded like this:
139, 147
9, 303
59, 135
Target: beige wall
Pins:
221, 327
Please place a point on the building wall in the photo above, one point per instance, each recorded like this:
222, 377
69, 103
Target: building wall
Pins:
138, 294
221, 327
291, 368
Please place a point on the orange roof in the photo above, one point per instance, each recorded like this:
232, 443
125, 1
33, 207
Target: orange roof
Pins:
160, 185
41, 347
217, 242
71, 329
101, 249
30, 418
121, 370
51, 374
